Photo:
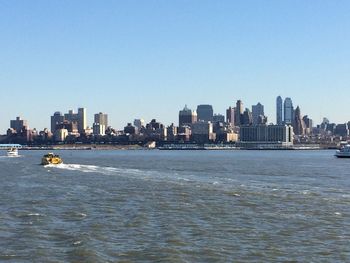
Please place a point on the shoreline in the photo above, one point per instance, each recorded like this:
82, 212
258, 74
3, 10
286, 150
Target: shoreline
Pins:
178, 148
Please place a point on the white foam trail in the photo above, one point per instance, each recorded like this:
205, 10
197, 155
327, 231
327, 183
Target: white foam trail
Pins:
94, 169
34, 214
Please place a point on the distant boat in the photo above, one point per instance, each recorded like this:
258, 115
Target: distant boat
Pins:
344, 152
51, 158
12, 152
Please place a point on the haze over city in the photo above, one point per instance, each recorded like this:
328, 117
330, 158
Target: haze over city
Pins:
148, 59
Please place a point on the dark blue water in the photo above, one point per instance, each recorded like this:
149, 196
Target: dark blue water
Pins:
175, 206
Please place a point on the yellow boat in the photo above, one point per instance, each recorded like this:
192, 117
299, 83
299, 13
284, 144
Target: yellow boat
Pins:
51, 158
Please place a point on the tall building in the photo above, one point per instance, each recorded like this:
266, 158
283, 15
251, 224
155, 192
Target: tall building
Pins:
139, 123
101, 118
56, 119
288, 111
187, 116
18, 124
247, 117
205, 112
257, 110
202, 132
230, 115
238, 112
308, 124
279, 111
79, 117
82, 123
98, 129
298, 123
218, 118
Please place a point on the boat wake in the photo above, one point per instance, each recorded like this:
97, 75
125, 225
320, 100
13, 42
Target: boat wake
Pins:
94, 169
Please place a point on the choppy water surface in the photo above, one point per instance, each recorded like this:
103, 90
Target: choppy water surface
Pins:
176, 206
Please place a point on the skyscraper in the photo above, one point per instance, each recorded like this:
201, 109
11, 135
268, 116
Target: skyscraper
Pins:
205, 112
298, 123
230, 115
18, 124
101, 118
257, 110
247, 117
238, 112
82, 125
139, 123
279, 111
187, 116
56, 119
288, 111
79, 117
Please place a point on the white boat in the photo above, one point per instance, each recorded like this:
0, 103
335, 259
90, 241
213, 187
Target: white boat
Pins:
12, 152
344, 152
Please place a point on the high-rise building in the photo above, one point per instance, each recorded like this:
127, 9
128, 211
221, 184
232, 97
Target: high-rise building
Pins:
230, 115
257, 110
298, 123
238, 112
79, 117
205, 112
56, 119
98, 129
18, 124
139, 123
288, 111
247, 117
218, 118
101, 118
187, 116
308, 124
202, 132
279, 111
172, 131
82, 123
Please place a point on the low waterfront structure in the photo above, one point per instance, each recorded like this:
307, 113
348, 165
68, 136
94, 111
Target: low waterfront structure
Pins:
266, 136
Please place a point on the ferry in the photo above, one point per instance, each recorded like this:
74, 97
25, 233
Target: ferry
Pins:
51, 158
11, 149
12, 152
344, 152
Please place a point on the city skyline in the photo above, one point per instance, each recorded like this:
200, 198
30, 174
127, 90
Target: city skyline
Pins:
90, 118
147, 60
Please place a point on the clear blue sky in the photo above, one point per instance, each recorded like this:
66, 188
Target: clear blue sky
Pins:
147, 59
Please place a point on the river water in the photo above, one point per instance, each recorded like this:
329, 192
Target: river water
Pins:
175, 206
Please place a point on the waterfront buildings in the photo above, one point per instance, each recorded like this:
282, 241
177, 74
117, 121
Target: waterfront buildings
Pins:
288, 111
271, 136
187, 116
279, 111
